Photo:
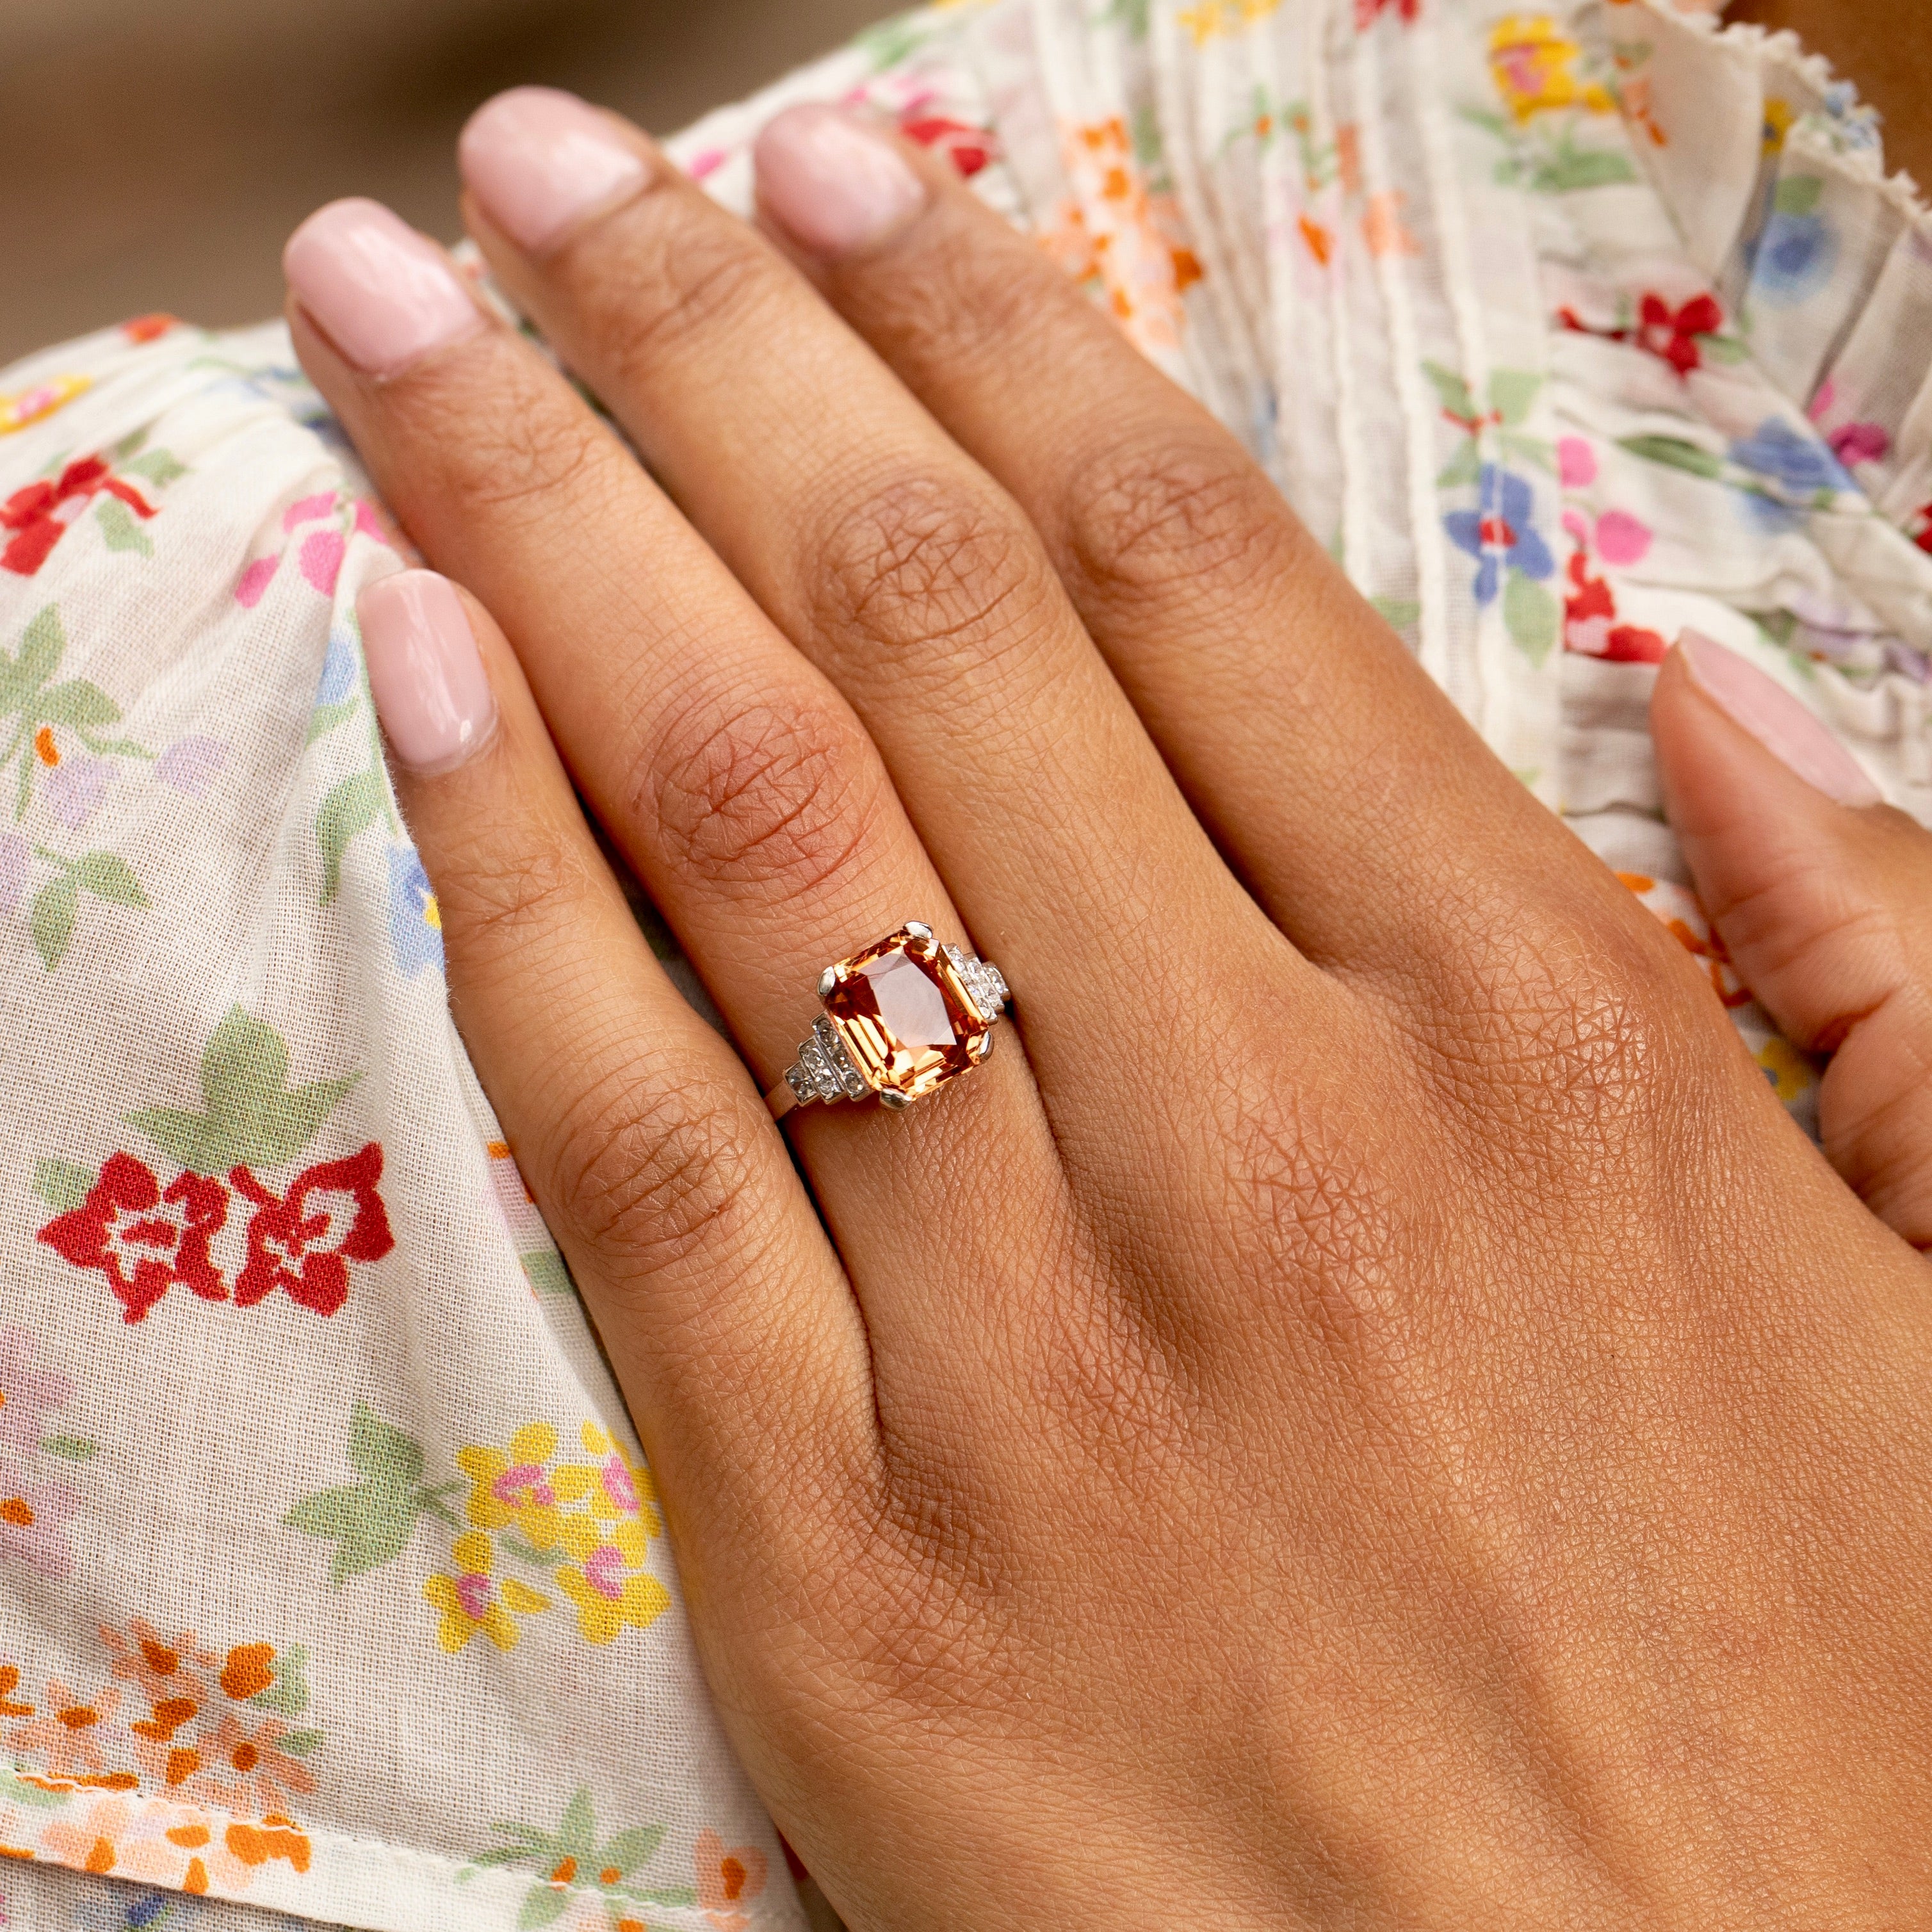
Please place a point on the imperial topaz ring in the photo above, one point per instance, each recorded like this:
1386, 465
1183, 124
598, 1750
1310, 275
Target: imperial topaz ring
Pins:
901, 1018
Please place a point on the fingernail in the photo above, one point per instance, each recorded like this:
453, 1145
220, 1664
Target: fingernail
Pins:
539, 161
431, 691
834, 186
1777, 720
384, 294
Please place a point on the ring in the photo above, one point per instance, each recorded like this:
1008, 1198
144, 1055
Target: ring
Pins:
901, 1018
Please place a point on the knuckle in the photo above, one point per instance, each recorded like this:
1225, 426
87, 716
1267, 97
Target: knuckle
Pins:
686, 273
516, 464
923, 562
1175, 511
653, 1169
766, 797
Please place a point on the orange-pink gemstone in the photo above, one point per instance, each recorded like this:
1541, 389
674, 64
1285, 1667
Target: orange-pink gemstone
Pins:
904, 1017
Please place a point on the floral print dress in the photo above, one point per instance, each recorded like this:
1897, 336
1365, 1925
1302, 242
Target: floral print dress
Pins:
333, 1586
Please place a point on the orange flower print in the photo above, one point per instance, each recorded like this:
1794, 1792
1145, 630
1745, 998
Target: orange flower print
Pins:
160, 1667
67, 1734
118, 1835
728, 1881
247, 1771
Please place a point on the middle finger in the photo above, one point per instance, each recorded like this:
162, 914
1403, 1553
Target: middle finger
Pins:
892, 561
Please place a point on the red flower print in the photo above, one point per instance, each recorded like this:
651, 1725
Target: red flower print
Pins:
148, 327
304, 1241
967, 148
1367, 12
1589, 621
1670, 334
1921, 533
39, 513
144, 1241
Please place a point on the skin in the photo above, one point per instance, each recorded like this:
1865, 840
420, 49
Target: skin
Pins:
1366, 1413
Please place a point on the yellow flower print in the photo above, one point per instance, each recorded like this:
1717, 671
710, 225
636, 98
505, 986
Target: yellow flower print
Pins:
614, 1488
1788, 1071
472, 1601
515, 1488
607, 1601
1207, 19
1778, 116
1534, 61
26, 407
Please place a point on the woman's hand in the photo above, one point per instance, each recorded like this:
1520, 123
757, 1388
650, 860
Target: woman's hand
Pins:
1366, 1413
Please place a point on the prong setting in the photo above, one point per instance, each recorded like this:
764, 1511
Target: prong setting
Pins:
901, 1018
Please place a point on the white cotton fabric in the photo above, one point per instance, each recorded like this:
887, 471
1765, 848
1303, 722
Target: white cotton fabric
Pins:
330, 1587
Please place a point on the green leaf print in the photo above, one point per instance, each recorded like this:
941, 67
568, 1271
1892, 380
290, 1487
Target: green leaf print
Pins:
51, 919
546, 1272
108, 877
120, 529
1530, 615
1461, 468
1454, 391
70, 1448
1131, 16
1513, 394
371, 1521
35, 705
570, 1863
252, 1117
287, 1697
1800, 195
63, 1184
1675, 453
156, 467
353, 807
888, 44
16, 1790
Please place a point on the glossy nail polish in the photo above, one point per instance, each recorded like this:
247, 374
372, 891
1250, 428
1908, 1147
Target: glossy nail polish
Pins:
1777, 720
539, 161
834, 186
383, 294
432, 693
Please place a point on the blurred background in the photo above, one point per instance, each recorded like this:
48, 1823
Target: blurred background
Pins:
159, 151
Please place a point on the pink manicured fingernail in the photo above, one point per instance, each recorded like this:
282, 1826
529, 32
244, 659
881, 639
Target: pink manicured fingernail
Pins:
539, 161
836, 188
1777, 720
385, 294
431, 692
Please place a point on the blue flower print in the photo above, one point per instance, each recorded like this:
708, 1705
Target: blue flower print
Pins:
1794, 259
338, 672
1800, 463
415, 922
1500, 535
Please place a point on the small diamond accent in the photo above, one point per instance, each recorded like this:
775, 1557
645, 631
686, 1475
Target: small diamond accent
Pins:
811, 1058
800, 1083
849, 1077
984, 985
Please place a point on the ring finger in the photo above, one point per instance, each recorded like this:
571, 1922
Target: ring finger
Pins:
733, 777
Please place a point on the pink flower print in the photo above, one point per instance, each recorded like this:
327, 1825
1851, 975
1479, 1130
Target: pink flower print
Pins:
73, 790
190, 764
28, 1396
1576, 462
727, 1880
522, 1484
15, 865
707, 163
619, 1488
1622, 538
34, 1518
66, 1736
255, 581
321, 559
1860, 443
